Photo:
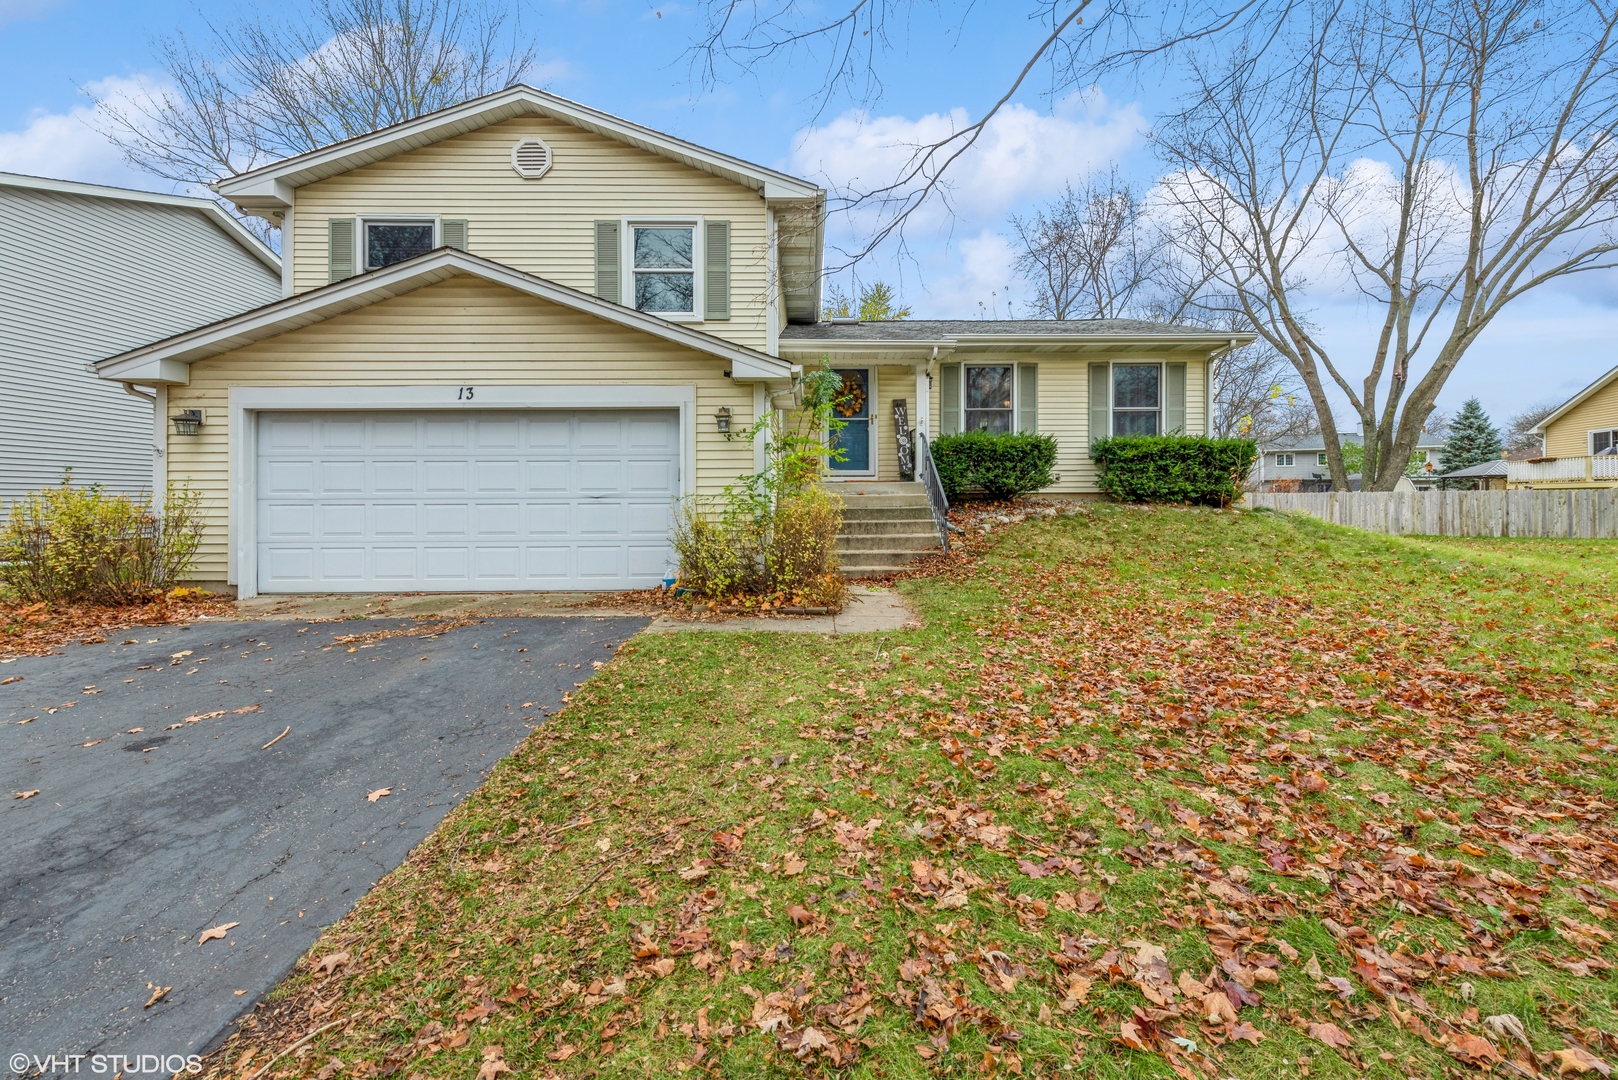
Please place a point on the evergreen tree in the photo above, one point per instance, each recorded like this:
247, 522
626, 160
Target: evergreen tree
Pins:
1473, 440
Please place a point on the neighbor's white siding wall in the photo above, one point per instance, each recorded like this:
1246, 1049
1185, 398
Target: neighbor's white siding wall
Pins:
545, 226
83, 278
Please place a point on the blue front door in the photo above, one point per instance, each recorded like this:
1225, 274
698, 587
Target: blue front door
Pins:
853, 408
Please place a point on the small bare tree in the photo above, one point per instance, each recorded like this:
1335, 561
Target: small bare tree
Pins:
1441, 158
1088, 254
1520, 435
272, 85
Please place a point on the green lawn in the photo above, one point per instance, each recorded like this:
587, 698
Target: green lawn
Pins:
1152, 793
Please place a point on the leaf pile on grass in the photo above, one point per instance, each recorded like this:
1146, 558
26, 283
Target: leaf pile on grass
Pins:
1153, 793
41, 628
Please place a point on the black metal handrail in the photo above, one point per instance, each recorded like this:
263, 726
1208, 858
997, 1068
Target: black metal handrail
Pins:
927, 473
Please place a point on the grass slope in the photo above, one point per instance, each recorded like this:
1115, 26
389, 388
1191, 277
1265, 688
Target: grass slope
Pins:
1152, 793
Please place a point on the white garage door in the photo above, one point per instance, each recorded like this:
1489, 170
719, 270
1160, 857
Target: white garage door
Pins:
465, 501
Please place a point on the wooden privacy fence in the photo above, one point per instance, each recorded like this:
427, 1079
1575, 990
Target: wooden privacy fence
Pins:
1583, 513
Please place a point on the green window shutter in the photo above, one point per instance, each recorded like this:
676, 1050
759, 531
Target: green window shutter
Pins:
609, 284
949, 399
716, 270
453, 233
1100, 401
1028, 398
1174, 399
340, 248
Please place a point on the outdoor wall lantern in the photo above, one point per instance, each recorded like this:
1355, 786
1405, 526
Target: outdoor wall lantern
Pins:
187, 422
722, 418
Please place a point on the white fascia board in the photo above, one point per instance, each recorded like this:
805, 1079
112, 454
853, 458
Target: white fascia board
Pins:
1575, 400
363, 290
1212, 341
232, 228
495, 108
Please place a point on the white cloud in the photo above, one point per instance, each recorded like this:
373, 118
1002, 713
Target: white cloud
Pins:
17, 10
66, 146
1021, 154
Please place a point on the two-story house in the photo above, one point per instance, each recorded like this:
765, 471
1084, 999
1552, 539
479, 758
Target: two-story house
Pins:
1580, 442
515, 331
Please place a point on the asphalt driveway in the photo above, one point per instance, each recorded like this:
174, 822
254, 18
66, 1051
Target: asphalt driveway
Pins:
160, 812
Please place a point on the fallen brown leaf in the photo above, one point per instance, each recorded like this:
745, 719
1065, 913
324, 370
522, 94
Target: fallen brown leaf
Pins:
216, 932
1331, 1035
373, 796
158, 993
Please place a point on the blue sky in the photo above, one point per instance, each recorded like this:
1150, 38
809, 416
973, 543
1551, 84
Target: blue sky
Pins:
625, 56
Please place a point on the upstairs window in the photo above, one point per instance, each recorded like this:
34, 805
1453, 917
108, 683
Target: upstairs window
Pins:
1604, 442
1137, 399
1284, 461
1320, 459
393, 240
663, 262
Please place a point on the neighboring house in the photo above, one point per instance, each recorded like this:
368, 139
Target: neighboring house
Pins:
516, 330
1581, 442
1300, 461
87, 271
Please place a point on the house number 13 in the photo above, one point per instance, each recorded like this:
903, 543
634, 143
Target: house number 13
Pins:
463, 393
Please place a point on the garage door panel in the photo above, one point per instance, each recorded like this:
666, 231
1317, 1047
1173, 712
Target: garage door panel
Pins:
395, 519
477, 500
288, 478
446, 434
398, 565
342, 564
341, 477
490, 477
289, 566
396, 434
600, 476
446, 519
599, 562
497, 519
550, 476
342, 435
648, 519
342, 520
447, 564
649, 475
394, 477
447, 477
287, 521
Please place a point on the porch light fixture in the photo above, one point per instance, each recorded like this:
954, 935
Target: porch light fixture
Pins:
722, 418
187, 422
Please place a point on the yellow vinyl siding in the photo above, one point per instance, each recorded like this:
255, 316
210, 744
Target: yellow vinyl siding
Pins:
1569, 435
545, 226
1064, 412
462, 331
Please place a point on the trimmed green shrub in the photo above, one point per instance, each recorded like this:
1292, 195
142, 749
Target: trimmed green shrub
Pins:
79, 543
1173, 468
1001, 466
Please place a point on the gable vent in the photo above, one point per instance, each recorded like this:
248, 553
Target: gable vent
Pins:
531, 158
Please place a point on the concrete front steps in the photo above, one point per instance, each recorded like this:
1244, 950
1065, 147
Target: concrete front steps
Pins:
885, 526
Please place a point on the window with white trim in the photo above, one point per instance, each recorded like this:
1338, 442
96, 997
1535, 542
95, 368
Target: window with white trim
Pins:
1604, 442
990, 398
662, 259
1283, 461
1320, 459
1137, 399
386, 241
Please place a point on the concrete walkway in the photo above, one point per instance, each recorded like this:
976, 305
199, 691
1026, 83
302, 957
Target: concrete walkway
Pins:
869, 610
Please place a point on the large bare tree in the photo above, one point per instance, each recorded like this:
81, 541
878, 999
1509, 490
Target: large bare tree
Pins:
1436, 158
1069, 45
277, 83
